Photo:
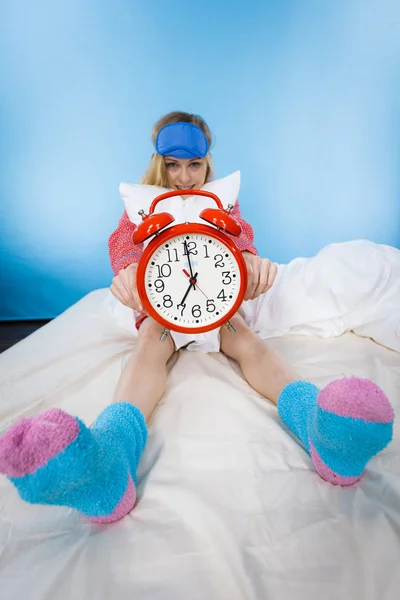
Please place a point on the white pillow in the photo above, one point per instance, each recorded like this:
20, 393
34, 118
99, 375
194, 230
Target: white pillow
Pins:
139, 196
227, 188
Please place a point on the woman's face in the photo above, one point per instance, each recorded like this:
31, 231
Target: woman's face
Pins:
186, 174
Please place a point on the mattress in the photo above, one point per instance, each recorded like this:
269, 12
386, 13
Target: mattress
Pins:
229, 504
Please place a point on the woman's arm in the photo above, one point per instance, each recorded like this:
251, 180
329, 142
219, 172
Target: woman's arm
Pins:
122, 250
245, 242
260, 271
124, 257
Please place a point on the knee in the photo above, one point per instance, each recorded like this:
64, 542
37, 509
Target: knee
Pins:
150, 344
241, 343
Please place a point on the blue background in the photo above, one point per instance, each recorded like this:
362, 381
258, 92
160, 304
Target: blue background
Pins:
302, 96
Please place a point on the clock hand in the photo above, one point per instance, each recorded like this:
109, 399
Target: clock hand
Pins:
192, 279
181, 303
192, 283
188, 257
200, 290
195, 284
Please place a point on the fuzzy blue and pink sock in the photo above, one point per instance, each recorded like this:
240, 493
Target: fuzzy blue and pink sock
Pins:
342, 426
55, 459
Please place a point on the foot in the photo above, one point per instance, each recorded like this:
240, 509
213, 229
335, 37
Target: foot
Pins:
342, 427
55, 459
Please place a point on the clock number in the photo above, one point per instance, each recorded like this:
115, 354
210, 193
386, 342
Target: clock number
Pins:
167, 301
222, 296
196, 309
210, 306
206, 248
227, 277
218, 258
183, 308
159, 285
164, 270
169, 254
191, 248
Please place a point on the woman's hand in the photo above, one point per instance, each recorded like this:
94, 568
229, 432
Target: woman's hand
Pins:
261, 274
124, 287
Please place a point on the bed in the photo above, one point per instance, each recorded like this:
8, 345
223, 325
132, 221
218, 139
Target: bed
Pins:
229, 505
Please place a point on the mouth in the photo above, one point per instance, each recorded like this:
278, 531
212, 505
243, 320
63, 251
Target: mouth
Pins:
184, 187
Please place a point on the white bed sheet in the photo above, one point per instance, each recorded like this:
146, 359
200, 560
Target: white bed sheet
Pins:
230, 507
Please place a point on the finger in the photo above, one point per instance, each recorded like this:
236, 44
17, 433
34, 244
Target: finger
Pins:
121, 285
115, 292
262, 284
273, 271
253, 283
133, 286
249, 280
126, 277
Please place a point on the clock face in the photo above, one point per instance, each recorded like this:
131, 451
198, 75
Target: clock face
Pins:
193, 280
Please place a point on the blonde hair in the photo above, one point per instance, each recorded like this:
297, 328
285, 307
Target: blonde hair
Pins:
156, 173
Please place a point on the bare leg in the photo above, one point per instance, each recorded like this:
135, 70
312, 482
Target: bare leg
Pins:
262, 368
144, 378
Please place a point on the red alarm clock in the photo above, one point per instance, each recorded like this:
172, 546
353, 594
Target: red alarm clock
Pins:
191, 277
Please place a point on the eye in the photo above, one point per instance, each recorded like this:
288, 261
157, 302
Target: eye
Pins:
196, 164
171, 165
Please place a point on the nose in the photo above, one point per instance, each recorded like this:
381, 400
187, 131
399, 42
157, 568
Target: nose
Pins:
184, 177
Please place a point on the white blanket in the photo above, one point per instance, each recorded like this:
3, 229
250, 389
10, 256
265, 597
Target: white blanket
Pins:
230, 506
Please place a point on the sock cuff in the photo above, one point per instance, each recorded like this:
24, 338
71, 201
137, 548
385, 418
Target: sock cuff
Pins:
130, 419
293, 392
295, 402
126, 410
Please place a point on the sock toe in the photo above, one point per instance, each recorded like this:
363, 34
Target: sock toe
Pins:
31, 443
356, 398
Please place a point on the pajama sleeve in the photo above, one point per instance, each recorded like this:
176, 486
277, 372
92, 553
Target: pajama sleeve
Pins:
122, 250
246, 239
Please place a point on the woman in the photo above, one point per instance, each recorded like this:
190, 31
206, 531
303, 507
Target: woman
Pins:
55, 459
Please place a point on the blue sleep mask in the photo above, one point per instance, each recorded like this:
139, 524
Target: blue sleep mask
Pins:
182, 140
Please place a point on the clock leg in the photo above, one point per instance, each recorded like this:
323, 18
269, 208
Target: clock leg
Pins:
164, 335
230, 327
